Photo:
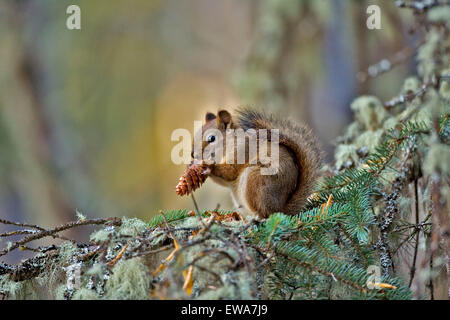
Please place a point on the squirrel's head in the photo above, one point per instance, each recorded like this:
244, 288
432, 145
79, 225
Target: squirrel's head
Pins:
212, 136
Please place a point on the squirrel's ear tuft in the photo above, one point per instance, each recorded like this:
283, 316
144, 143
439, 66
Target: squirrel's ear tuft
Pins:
210, 116
224, 120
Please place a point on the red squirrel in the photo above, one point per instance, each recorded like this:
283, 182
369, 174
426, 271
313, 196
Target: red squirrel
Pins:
254, 193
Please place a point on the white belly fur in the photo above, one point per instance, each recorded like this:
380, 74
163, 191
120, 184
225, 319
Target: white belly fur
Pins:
239, 199
239, 191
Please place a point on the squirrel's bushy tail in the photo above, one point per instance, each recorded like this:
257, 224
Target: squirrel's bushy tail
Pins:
300, 141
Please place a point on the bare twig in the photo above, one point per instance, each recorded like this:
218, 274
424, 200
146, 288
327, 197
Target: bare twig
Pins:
113, 262
416, 245
385, 65
52, 232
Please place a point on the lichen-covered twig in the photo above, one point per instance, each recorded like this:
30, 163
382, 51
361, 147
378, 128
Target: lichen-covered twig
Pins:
411, 95
386, 218
28, 269
421, 6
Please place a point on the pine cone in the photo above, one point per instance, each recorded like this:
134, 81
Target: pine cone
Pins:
192, 178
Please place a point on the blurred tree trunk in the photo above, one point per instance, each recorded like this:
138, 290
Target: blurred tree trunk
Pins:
25, 122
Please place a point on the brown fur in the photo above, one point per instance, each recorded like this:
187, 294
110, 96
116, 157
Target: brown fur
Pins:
300, 160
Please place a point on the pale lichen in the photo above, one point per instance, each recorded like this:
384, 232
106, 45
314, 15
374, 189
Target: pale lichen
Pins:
346, 155
369, 112
369, 139
129, 280
437, 159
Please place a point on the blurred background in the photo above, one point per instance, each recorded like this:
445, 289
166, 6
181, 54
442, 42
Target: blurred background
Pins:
86, 115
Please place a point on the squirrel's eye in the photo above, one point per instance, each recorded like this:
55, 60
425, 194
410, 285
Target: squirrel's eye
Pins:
211, 138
